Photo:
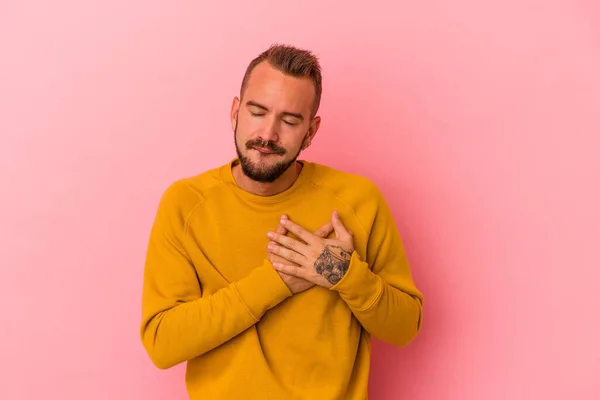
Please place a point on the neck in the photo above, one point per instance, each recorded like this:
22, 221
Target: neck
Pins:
281, 184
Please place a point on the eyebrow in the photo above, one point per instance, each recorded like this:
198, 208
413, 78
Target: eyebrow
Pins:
258, 105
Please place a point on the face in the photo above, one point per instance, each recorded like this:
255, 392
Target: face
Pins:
272, 122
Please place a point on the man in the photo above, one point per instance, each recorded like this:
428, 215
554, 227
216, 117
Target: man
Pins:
269, 274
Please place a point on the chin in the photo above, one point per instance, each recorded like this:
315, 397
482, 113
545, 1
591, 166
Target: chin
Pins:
265, 169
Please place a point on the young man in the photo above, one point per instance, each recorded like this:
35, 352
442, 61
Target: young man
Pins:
269, 274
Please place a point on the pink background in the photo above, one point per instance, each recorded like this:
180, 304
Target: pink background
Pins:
479, 120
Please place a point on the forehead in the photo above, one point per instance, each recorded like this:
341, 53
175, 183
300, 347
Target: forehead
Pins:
272, 88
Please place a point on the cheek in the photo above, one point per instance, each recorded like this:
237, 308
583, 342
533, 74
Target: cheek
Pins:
245, 129
251, 125
299, 136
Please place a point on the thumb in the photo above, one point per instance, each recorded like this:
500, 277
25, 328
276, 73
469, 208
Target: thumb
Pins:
340, 230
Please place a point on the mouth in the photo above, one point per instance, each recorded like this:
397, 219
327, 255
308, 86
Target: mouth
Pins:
264, 151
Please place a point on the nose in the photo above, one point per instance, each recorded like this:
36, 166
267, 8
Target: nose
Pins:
270, 130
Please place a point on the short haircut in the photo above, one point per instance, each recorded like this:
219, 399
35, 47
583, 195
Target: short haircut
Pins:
291, 61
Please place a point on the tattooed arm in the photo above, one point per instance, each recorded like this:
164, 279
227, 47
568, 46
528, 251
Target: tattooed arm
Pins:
333, 263
321, 261
379, 291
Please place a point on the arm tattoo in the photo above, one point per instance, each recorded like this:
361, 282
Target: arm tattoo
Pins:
333, 263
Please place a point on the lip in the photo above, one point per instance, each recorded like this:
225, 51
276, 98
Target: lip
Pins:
263, 151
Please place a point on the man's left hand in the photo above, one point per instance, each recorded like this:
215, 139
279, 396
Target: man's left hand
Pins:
318, 260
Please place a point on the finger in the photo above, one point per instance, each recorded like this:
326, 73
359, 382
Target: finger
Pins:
289, 269
288, 242
340, 229
288, 254
325, 230
280, 228
300, 232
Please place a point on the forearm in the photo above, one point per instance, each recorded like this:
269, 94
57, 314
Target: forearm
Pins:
190, 329
389, 313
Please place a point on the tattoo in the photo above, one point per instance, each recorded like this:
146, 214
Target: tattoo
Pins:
333, 263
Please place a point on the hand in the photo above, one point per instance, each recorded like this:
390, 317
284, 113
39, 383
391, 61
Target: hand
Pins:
294, 283
316, 259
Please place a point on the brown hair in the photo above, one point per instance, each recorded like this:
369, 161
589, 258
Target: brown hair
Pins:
291, 61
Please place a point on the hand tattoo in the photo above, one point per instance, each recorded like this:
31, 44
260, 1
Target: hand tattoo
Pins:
333, 263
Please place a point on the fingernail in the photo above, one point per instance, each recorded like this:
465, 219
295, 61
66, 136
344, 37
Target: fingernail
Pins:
271, 247
270, 234
284, 216
282, 221
277, 265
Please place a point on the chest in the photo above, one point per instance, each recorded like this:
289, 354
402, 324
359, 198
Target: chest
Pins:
226, 243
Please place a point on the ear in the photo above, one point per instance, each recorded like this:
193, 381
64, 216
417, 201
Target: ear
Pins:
235, 107
312, 131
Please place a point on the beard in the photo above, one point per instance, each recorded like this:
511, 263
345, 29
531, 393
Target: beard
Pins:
266, 173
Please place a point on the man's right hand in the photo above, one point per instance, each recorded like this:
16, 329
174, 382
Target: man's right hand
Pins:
295, 284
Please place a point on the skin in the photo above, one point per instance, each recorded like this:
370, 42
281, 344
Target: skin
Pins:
321, 261
273, 124
295, 283
274, 113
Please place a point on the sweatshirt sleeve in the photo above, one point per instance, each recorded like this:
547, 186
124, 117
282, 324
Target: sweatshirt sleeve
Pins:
179, 322
380, 290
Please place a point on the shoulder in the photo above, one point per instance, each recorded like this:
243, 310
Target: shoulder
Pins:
350, 187
184, 195
360, 194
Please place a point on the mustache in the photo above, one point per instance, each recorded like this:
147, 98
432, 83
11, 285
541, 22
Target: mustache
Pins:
265, 145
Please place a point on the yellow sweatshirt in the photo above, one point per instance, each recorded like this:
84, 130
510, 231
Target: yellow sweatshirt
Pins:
211, 298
